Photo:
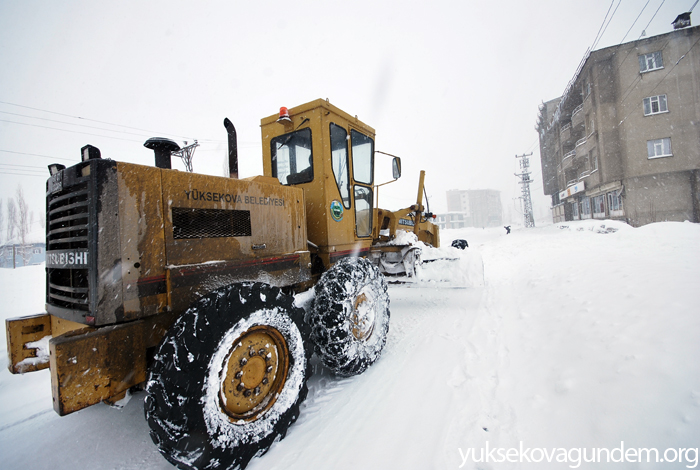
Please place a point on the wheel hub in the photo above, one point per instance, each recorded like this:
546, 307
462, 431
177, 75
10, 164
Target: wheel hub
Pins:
361, 318
254, 373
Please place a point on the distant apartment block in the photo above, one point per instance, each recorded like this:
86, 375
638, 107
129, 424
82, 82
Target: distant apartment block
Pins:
623, 141
472, 208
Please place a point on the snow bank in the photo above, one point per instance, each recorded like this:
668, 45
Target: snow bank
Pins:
581, 337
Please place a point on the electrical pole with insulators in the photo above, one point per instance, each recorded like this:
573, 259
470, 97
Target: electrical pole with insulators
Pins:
525, 181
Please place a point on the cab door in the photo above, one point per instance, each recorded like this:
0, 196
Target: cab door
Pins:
362, 155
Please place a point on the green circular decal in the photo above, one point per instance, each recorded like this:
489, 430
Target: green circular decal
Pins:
337, 211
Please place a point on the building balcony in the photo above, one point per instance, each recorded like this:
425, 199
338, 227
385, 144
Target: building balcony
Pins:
584, 174
565, 131
577, 121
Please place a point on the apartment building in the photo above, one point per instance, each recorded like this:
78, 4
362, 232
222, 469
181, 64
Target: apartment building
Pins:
472, 208
623, 141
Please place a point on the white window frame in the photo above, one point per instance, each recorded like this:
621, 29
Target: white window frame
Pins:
650, 62
661, 105
659, 148
599, 202
586, 208
615, 204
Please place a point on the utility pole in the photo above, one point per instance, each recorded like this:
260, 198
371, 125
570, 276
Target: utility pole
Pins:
525, 181
186, 153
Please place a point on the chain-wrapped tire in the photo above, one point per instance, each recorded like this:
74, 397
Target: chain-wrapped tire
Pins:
350, 316
228, 378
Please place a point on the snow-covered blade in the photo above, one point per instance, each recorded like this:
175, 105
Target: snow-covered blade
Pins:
427, 266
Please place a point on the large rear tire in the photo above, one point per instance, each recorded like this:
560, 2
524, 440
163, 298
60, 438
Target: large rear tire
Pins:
350, 316
228, 378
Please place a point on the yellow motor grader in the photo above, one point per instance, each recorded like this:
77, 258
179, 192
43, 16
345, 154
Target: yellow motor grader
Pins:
183, 284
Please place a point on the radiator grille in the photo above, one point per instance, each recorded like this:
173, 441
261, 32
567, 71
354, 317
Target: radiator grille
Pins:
67, 219
210, 223
68, 288
66, 229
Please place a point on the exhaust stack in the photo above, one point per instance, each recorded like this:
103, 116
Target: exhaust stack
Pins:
162, 147
232, 149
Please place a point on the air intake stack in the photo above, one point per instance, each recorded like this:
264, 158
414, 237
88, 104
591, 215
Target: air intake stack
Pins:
163, 148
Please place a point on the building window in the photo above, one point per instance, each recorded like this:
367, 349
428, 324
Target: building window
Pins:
586, 88
593, 161
655, 105
659, 148
586, 208
590, 123
599, 206
574, 206
615, 203
649, 62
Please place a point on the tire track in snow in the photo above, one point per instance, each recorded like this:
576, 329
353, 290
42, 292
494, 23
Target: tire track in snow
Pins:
395, 415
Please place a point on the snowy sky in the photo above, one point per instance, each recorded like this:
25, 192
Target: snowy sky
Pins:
451, 87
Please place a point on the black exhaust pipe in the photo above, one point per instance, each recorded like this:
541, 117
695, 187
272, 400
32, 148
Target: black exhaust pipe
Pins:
162, 147
232, 149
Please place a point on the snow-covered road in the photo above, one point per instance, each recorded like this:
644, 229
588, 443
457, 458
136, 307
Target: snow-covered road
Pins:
579, 339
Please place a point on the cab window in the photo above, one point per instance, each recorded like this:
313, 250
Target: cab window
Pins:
292, 157
339, 162
362, 157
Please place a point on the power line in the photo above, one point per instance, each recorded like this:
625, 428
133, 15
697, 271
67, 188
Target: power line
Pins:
22, 174
602, 24
644, 31
635, 21
66, 130
638, 78
72, 124
93, 120
22, 166
664, 77
38, 155
606, 26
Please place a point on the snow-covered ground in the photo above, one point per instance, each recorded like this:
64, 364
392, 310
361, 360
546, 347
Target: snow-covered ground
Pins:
580, 338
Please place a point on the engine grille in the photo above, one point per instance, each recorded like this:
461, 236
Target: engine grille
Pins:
67, 229
210, 223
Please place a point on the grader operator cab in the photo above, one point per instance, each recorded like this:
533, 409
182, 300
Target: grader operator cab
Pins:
182, 283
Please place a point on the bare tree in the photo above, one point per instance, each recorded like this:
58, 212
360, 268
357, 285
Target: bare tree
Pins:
23, 222
11, 220
2, 222
3, 248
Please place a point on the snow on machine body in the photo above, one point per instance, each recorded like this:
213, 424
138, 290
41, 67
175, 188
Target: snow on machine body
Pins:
182, 283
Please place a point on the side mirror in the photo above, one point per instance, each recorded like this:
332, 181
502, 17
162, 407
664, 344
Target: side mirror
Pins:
396, 168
